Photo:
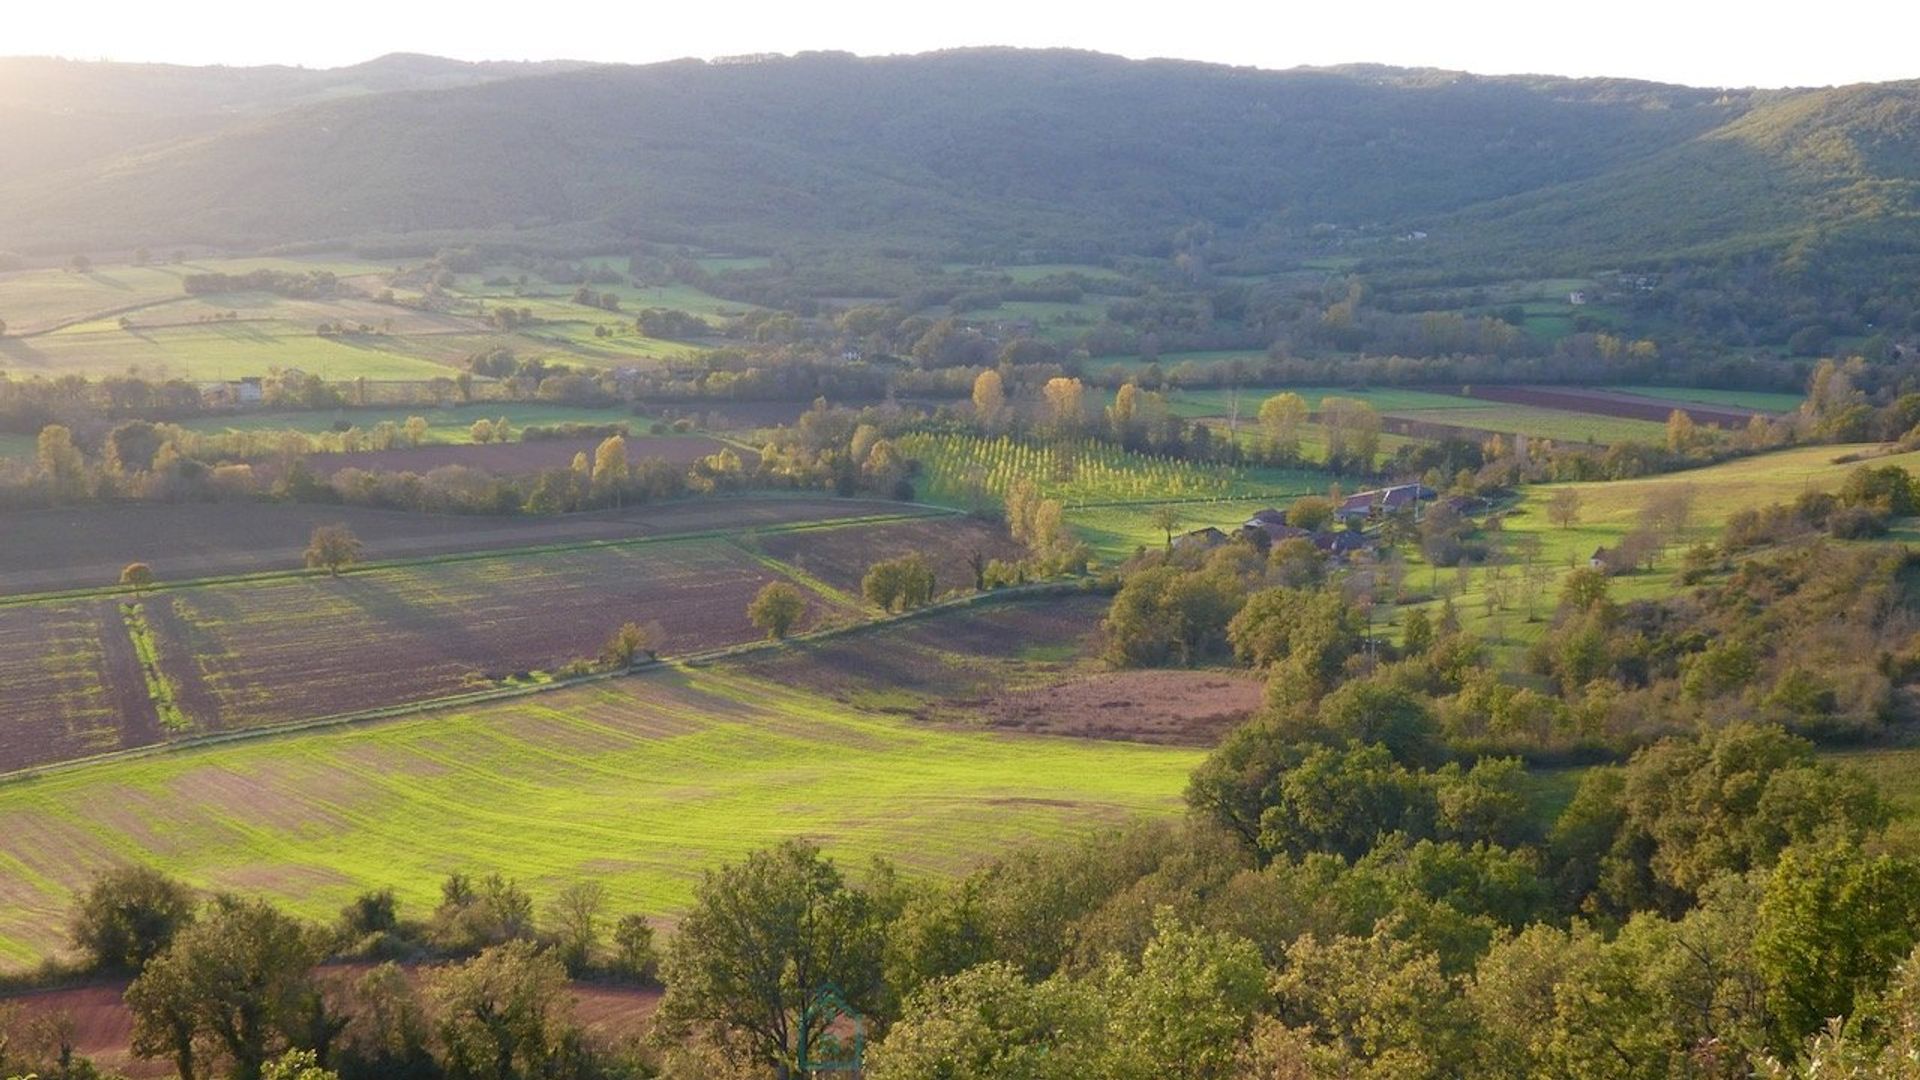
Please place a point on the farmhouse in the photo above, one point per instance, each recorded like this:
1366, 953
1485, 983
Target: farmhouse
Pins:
247, 391
1342, 543
1364, 505
1267, 534
1356, 507
1200, 540
1266, 517
1600, 558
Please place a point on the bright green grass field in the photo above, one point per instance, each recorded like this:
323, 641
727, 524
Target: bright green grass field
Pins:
1609, 510
1739, 399
213, 351
640, 783
1556, 424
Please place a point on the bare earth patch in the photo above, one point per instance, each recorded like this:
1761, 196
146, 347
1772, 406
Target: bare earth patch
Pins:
1189, 708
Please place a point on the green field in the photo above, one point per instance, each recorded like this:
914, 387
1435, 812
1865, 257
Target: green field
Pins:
446, 424
1762, 400
1386, 399
1609, 510
1556, 424
61, 322
214, 351
32, 300
639, 783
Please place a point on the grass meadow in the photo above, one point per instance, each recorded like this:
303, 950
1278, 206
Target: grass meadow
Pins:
63, 322
639, 783
1609, 510
1535, 421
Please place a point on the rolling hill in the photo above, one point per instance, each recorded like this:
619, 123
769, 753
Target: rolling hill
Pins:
990, 151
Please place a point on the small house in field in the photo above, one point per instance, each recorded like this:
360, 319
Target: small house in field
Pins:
1266, 517
1268, 533
1364, 505
1341, 543
1358, 507
1577, 297
1200, 540
247, 391
1600, 560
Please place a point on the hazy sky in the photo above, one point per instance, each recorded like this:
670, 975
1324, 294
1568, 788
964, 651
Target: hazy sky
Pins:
1702, 42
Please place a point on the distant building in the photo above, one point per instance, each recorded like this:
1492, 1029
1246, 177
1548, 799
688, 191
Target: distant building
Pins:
1601, 559
1342, 542
1577, 297
1268, 533
1356, 507
1266, 517
1201, 540
1364, 505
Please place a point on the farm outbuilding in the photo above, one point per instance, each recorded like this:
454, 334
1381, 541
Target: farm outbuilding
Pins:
1201, 540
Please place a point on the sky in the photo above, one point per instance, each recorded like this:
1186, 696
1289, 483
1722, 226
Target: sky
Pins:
1698, 42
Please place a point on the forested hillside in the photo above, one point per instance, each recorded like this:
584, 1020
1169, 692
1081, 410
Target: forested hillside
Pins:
999, 154
996, 146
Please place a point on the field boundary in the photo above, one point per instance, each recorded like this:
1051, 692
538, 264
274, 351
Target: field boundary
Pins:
502, 693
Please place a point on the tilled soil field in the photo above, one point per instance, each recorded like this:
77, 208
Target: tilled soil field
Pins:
80, 676
843, 558
1612, 403
919, 667
65, 692
1186, 708
86, 547
297, 648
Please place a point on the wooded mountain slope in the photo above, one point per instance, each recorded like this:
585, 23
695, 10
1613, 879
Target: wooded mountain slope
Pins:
1000, 152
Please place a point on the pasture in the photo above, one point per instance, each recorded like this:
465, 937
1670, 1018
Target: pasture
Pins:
65, 322
445, 423
1533, 421
640, 783
1608, 511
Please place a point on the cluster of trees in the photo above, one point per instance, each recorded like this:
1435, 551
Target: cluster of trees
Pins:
1812, 637
586, 296
298, 285
841, 450
672, 324
1864, 506
228, 986
900, 584
139, 460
